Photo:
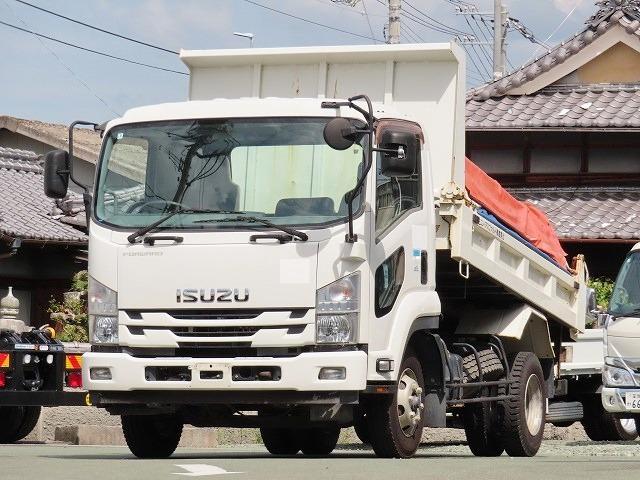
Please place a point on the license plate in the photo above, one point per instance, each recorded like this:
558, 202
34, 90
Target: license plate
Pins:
632, 400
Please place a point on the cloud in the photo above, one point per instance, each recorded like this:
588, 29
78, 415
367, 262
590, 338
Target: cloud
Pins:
567, 5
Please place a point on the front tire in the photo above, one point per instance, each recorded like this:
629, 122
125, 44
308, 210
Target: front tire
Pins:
600, 425
319, 441
482, 426
396, 423
151, 436
524, 414
280, 441
361, 427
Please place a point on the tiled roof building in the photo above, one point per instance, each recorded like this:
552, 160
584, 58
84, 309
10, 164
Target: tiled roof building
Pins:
563, 132
25, 212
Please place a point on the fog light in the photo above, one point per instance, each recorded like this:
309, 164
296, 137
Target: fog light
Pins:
384, 365
74, 379
49, 359
100, 373
26, 359
332, 373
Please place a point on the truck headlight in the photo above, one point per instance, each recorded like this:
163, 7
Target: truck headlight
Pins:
103, 313
615, 374
338, 311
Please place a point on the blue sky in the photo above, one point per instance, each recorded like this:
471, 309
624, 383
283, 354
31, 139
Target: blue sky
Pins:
37, 80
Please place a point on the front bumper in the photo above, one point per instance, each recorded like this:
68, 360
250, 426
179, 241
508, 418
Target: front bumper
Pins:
298, 373
613, 399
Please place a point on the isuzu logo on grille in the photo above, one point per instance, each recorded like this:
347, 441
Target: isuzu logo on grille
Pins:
210, 295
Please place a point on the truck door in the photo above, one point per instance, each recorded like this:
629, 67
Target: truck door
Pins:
399, 249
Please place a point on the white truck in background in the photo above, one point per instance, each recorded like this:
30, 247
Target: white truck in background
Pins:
293, 249
621, 374
581, 369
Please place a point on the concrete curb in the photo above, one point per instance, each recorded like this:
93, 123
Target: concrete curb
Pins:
104, 435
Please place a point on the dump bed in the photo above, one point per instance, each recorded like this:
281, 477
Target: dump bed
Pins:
478, 244
424, 83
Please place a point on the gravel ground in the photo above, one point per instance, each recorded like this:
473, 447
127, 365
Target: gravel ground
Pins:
65, 416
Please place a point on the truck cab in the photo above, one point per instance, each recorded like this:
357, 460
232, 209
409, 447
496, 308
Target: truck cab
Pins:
621, 374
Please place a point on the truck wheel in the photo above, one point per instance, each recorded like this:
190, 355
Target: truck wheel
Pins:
524, 414
592, 418
30, 419
395, 423
280, 441
621, 429
361, 426
319, 441
482, 426
12, 419
492, 368
151, 436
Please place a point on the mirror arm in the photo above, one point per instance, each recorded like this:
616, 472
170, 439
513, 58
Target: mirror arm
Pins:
351, 237
86, 195
371, 119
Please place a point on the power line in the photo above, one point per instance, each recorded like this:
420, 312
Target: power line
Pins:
407, 27
150, 45
66, 67
423, 23
310, 21
436, 21
364, 5
73, 45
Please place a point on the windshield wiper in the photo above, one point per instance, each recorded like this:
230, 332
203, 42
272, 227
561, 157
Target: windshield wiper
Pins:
133, 238
291, 231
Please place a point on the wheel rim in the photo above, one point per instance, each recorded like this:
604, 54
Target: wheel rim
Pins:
628, 425
409, 402
533, 405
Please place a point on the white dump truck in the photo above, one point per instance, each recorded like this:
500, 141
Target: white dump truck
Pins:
293, 248
621, 374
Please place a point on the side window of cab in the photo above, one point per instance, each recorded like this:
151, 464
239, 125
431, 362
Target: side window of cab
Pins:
398, 180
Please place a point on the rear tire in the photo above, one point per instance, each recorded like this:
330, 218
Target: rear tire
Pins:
524, 415
29, 421
319, 441
151, 436
12, 420
280, 441
395, 423
482, 426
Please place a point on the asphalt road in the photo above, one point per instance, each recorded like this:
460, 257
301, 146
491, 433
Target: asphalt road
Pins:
562, 460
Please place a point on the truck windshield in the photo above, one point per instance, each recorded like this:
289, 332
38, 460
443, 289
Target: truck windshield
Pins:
625, 299
280, 169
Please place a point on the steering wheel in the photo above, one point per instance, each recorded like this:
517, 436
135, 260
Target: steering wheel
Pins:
143, 206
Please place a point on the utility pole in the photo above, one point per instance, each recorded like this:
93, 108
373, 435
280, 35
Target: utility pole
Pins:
394, 21
500, 16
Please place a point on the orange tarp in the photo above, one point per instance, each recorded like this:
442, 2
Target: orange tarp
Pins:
525, 219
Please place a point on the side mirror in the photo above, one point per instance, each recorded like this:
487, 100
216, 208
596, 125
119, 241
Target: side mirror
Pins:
400, 153
592, 307
56, 174
340, 134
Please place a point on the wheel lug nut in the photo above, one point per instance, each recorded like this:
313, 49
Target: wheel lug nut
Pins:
419, 391
422, 406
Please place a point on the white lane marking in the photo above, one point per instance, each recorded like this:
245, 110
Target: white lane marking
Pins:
201, 470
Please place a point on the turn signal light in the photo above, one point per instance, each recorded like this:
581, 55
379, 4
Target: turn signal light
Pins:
74, 379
